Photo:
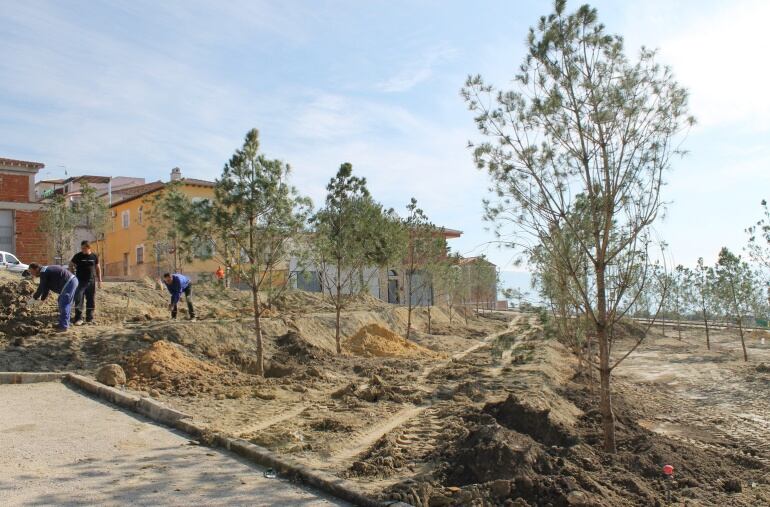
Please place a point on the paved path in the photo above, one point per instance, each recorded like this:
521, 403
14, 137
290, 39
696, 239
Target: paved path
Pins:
59, 447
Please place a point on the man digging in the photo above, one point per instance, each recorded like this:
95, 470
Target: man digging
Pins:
177, 285
60, 281
85, 264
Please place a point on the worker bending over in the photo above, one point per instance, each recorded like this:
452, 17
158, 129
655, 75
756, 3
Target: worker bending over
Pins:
60, 281
177, 285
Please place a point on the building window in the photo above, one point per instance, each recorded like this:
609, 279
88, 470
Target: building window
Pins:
140, 215
140, 254
126, 219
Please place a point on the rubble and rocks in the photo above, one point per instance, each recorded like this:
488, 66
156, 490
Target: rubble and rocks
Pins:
17, 317
111, 375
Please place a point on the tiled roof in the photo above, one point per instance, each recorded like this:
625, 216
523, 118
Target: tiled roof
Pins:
20, 163
201, 183
131, 193
89, 179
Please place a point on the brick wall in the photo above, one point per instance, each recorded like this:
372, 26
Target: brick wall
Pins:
14, 187
31, 244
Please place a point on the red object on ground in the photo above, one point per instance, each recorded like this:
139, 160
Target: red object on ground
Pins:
668, 470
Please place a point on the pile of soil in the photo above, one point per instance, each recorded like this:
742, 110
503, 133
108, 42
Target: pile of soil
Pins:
167, 358
17, 318
374, 340
169, 368
489, 463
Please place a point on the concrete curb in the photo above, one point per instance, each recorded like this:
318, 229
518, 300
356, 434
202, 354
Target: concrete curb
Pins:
155, 411
23, 377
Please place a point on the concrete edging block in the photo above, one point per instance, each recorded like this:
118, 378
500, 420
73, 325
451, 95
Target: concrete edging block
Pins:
105, 392
158, 412
25, 377
338, 487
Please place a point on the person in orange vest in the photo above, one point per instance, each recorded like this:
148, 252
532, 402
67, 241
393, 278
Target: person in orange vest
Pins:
220, 274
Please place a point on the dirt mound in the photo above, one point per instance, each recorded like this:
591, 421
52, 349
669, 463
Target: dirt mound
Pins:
629, 329
490, 452
302, 301
374, 340
520, 417
166, 358
17, 318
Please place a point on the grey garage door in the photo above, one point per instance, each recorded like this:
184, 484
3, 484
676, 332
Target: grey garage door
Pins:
6, 230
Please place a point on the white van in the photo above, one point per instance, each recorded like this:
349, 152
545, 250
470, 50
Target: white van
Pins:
9, 262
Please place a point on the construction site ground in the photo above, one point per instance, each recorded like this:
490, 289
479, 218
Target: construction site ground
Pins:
484, 411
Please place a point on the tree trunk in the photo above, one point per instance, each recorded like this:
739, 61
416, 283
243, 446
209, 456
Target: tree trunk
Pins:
338, 309
705, 322
743, 341
679, 325
337, 331
429, 330
258, 328
739, 318
409, 307
605, 395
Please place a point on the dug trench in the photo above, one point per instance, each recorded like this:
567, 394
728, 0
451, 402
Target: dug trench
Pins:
488, 412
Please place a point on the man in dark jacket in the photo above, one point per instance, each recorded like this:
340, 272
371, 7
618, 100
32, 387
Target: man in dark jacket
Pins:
177, 285
85, 265
60, 281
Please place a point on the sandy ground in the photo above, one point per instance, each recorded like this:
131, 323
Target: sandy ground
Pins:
62, 448
710, 399
488, 411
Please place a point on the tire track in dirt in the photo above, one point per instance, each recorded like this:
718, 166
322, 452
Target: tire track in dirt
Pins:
271, 421
402, 419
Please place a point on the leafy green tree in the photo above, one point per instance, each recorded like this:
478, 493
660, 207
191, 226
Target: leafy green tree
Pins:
703, 280
483, 281
352, 233
449, 284
759, 240
738, 289
584, 123
59, 221
257, 218
426, 246
558, 290
168, 217
93, 212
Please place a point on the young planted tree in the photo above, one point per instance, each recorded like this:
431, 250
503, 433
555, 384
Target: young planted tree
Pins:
702, 281
737, 287
449, 284
58, 222
426, 246
759, 241
558, 290
584, 123
257, 213
483, 281
168, 216
93, 212
352, 235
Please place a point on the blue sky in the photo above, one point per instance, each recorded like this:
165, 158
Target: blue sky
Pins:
136, 88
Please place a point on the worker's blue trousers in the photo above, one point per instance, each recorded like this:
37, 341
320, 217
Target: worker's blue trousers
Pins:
65, 302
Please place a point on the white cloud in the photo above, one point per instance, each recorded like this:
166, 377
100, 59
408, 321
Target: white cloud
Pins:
418, 70
718, 53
